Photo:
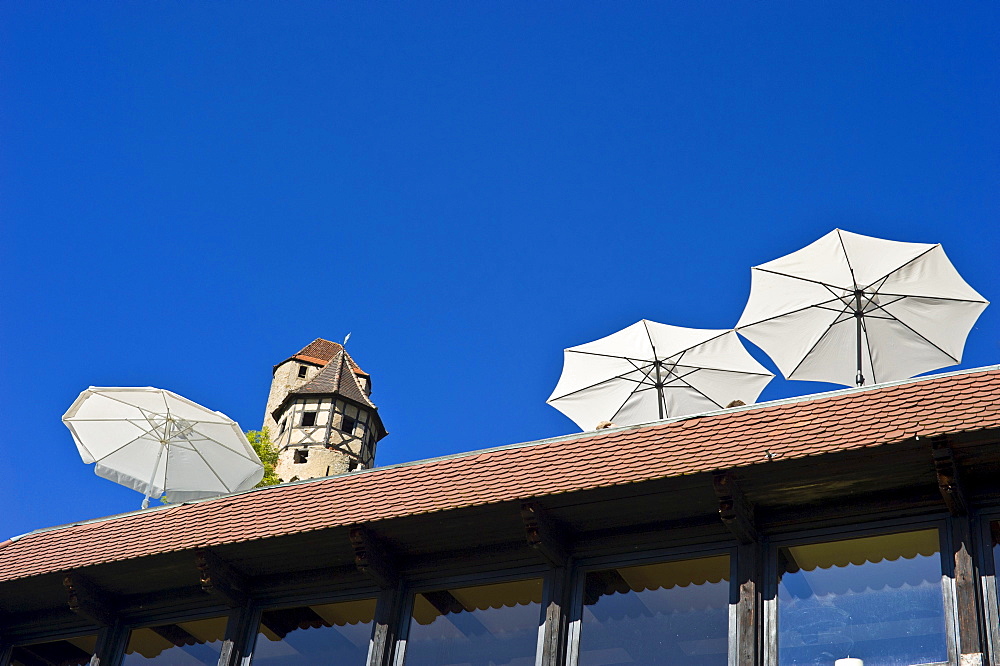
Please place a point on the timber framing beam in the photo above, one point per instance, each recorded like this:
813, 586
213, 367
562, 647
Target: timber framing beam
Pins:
87, 600
544, 535
948, 477
736, 512
373, 557
220, 579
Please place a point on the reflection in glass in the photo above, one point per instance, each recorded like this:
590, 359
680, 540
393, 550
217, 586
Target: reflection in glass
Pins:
666, 613
74, 651
486, 625
875, 598
178, 644
322, 634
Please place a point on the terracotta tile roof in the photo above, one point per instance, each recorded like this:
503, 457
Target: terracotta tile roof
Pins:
843, 420
322, 349
321, 352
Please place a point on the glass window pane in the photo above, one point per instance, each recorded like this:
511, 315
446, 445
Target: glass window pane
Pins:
878, 599
666, 613
177, 644
321, 634
74, 651
486, 624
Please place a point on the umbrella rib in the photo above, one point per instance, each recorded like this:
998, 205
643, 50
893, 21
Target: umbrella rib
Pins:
814, 345
215, 441
796, 277
847, 258
904, 264
128, 443
920, 335
588, 353
933, 298
649, 336
797, 310
627, 398
603, 381
695, 388
210, 469
735, 372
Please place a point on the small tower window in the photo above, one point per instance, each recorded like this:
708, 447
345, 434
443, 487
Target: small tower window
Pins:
308, 419
301, 456
302, 372
348, 424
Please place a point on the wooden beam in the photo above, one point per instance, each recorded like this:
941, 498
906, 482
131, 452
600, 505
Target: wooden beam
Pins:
748, 639
220, 579
948, 477
967, 596
451, 608
736, 512
373, 558
547, 538
175, 634
87, 600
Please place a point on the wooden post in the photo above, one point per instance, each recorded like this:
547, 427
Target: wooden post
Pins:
388, 622
737, 514
749, 557
556, 630
241, 630
967, 596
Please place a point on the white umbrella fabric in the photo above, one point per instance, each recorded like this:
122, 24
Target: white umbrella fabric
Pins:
650, 371
848, 308
157, 442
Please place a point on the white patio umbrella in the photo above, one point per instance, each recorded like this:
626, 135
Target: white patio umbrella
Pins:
652, 371
847, 308
157, 443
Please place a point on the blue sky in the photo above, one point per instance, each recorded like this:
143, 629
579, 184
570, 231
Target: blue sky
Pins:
191, 192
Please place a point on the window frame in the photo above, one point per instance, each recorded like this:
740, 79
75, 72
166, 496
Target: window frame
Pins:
989, 580
248, 641
405, 611
769, 584
141, 620
9, 643
650, 556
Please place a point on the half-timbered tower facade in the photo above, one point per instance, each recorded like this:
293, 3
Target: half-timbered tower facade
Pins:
320, 414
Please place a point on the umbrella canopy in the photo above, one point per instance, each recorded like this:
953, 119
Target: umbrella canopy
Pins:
652, 371
849, 308
157, 443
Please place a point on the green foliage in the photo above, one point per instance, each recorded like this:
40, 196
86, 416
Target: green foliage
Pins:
260, 440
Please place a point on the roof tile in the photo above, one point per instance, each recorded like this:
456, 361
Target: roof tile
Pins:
728, 438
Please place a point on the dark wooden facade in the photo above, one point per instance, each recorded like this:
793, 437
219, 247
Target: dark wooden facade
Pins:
949, 482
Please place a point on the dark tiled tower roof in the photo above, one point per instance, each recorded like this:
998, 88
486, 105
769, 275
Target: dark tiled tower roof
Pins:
339, 376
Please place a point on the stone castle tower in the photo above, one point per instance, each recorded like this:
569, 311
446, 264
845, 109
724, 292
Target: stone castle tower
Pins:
319, 414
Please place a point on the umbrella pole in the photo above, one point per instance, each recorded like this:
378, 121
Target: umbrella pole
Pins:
860, 379
659, 387
149, 486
